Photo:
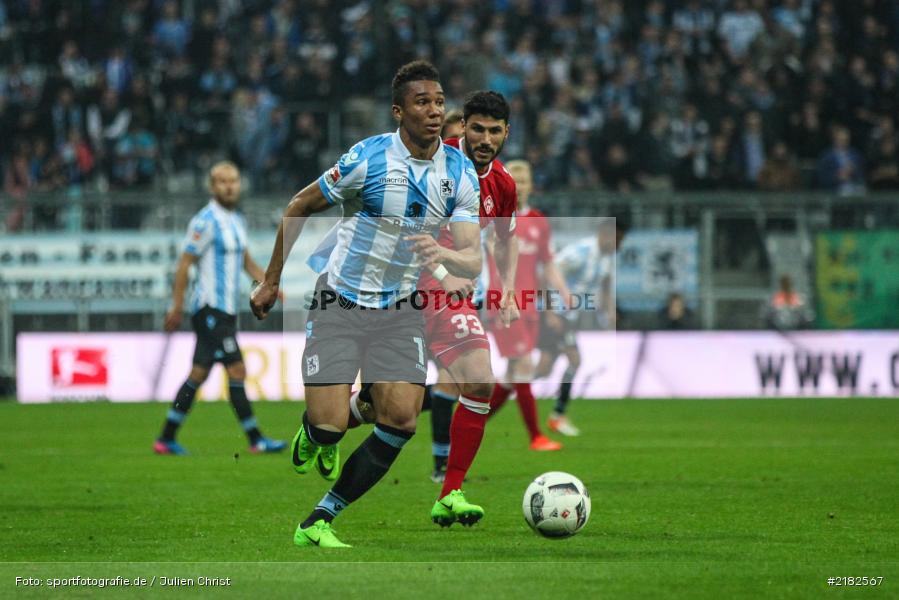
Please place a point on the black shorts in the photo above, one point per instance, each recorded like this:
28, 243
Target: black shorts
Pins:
343, 338
551, 340
216, 337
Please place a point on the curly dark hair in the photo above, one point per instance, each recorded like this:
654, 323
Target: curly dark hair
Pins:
489, 103
417, 70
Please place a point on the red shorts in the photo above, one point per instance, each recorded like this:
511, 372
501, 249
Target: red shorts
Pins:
519, 338
452, 332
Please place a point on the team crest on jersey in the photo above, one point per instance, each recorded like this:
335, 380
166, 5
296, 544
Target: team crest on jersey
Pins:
334, 175
488, 204
312, 365
353, 155
447, 187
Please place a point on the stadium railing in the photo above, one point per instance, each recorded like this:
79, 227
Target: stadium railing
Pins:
741, 240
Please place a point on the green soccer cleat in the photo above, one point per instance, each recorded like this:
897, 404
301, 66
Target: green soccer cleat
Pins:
303, 452
318, 534
328, 462
453, 507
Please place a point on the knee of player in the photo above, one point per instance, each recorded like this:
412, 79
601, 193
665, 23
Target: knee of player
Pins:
198, 374
574, 360
478, 389
237, 371
404, 419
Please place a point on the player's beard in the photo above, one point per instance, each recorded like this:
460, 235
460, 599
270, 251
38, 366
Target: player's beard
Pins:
483, 165
230, 204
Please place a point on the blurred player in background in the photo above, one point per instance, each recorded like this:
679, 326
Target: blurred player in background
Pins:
371, 272
456, 337
588, 267
452, 125
217, 244
518, 341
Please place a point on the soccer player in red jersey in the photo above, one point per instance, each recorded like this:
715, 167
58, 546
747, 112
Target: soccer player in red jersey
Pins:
455, 335
518, 341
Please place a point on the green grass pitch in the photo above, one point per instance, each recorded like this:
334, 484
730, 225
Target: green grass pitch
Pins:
691, 499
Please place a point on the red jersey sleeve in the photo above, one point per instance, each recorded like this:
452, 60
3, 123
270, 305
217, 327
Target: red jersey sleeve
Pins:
507, 203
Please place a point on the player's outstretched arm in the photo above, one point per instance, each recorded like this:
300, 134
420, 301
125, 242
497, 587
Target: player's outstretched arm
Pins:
307, 202
554, 279
173, 317
505, 251
252, 268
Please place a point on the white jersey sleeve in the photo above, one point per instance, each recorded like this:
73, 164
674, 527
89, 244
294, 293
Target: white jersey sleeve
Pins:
200, 234
468, 200
345, 179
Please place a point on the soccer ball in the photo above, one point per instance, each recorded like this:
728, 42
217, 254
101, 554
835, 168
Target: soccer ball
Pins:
556, 505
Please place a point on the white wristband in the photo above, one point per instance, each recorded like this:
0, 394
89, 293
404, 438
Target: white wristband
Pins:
440, 273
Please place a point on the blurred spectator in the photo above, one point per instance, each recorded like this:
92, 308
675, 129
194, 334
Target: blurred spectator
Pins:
738, 27
809, 138
273, 144
583, 72
581, 172
656, 158
107, 123
787, 309
718, 170
617, 170
179, 129
557, 127
750, 148
171, 33
307, 141
841, 168
696, 22
779, 173
140, 101
65, 115
47, 171
17, 183
676, 314
885, 166
118, 70
689, 140
792, 16
217, 83
135, 156
77, 157
74, 67
202, 38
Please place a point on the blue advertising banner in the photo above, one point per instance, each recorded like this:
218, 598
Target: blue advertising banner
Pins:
654, 263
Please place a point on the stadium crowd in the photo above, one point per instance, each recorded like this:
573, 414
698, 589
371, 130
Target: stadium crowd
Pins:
621, 95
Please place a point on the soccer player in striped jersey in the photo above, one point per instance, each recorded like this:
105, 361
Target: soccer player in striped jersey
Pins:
217, 244
588, 267
455, 336
397, 191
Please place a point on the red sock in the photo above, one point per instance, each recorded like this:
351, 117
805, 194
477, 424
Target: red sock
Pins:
466, 433
528, 405
501, 393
